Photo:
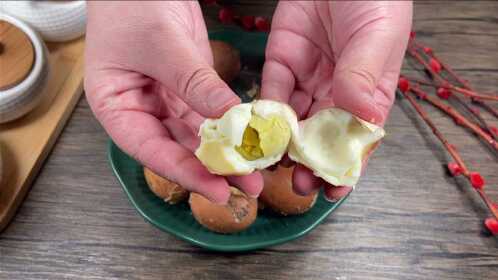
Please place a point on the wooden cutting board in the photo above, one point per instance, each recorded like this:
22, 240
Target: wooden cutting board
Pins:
26, 142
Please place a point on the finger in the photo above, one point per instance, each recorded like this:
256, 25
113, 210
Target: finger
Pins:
334, 194
372, 50
277, 82
304, 182
177, 109
182, 133
251, 184
146, 139
148, 143
301, 103
172, 56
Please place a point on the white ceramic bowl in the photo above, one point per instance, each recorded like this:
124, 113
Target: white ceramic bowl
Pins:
56, 21
20, 99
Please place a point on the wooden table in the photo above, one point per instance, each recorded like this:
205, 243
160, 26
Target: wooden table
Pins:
407, 219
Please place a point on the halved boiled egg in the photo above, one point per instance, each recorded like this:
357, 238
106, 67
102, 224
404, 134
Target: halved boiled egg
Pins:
333, 143
247, 137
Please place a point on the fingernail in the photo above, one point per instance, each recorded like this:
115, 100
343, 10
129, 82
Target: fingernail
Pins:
331, 200
253, 195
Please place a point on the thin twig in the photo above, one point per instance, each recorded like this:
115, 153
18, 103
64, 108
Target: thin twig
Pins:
447, 85
443, 83
459, 118
451, 150
462, 81
484, 124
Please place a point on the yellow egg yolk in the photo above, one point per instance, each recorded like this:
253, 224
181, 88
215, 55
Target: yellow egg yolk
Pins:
264, 137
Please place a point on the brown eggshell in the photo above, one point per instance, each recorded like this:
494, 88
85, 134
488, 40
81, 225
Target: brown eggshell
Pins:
226, 60
239, 213
278, 195
169, 191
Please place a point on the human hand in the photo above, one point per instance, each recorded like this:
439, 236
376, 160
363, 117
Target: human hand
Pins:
344, 54
149, 80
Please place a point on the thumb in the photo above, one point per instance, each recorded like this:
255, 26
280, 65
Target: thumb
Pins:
367, 69
357, 74
202, 89
183, 66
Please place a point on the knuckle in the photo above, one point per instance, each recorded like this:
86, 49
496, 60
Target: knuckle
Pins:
195, 84
367, 76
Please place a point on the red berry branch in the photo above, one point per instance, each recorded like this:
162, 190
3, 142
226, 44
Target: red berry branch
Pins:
428, 51
435, 68
227, 15
459, 118
444, 90
454, 75
458, 167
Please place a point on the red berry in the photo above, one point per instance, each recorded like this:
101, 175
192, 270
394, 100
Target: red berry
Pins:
494, 130
412, 35
458, 121
435, 65
476, 180
454, 169
492, 225
226, 15
443, 93
403, 84
247, 22
262, 24
209, 2
427, 50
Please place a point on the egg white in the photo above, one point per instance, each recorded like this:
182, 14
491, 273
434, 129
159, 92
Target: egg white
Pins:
219, 137
333, 144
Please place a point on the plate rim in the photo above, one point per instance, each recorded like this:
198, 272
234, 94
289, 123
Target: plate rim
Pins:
112, 148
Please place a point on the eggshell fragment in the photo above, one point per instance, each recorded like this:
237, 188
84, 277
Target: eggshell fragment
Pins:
226, 60
237, 215
278, 194
167, 190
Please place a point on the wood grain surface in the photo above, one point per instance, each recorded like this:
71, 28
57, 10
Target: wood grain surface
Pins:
27, 141
16, 54
406, 220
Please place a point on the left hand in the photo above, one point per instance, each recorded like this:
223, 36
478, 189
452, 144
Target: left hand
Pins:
344, 54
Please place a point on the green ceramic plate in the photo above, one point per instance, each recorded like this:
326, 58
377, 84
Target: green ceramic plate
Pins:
269, 228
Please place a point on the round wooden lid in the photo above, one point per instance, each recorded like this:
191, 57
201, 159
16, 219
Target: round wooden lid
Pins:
17, 55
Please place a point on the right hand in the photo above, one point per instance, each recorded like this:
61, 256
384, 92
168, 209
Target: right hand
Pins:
150, 82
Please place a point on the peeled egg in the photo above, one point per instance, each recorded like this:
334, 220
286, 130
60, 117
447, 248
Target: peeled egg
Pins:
239, 213
278, 194
333, 143
167, 190
247, 137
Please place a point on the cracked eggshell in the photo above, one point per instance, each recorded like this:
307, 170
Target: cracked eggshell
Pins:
169, 191
237, 215
333, 143
279, 195
219, 137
